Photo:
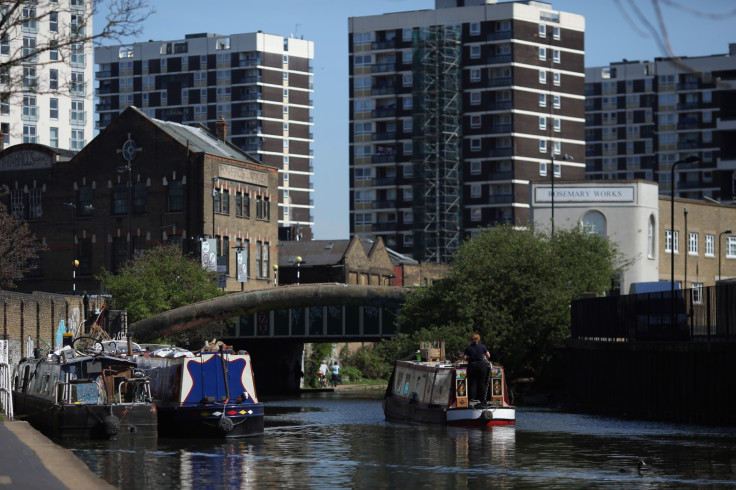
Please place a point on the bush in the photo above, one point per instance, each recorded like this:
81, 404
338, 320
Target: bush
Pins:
370, 363
350, 373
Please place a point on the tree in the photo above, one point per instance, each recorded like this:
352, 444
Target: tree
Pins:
514, 287
18, 248
161, 279
19, 20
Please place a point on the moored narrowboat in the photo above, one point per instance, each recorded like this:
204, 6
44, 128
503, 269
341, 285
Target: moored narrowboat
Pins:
204, 394
70, 394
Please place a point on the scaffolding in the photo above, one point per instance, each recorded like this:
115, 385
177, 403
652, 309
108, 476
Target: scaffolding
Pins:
437, 185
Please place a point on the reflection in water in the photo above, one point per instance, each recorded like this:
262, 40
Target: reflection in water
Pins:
342, 441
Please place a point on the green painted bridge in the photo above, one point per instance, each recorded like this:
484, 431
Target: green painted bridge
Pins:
306, 313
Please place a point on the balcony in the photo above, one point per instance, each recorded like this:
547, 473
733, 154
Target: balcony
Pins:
384, 204
500, 128
384, 181
388, 226
500, 106
499, 36
390, 90
501, 199
383, 136
378, 113
687, 145
501, 82
383, 67
505, 175
383, 159
687, 106
500, 59
103, 74
501, 152
375, 46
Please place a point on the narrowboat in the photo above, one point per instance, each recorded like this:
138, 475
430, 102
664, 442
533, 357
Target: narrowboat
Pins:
435, 392
70, 394
203, 394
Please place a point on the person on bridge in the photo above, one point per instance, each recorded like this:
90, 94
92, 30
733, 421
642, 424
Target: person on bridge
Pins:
335, 374
476, 354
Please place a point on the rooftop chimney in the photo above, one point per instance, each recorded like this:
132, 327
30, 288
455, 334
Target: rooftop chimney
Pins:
221, 126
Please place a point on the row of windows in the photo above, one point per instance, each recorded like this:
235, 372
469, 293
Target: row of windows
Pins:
76, 142
693, 244
221, 204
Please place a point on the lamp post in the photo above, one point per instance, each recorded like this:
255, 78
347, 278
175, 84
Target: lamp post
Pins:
720, 235
690, 159
298, 261
275, 275
122, 169
214, 196
75, 262
552, 183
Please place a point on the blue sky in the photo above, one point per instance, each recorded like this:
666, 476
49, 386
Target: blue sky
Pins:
615, 29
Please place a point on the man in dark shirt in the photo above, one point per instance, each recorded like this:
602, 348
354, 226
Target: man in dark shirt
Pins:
476, 355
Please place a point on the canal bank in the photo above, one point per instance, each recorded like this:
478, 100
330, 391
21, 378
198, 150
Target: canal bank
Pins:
30, 460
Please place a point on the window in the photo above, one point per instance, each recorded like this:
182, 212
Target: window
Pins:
542, 100
53, 79
5, 45
556, 78
692, 244
474, 28
5, 109
650, 238
542, 30
475, 121
54, 21
16, 203
697, 292
29, 134
120, 198
84, 201
77, 54
77, 84
475, 52
408, 125
35, 210
475, 98
175, 196
556, 55
54, 137
669, 243
557, 148
542, 146
140, 201
475, 190
557, 124
407, 80
710, 245
556, 32
475, 144
259, 262
542, 76
475, 75
731, 247
594, 222
264, 255
77, 112
542, 123
556, 101
29, 49
77, 142
407, 103
54, 108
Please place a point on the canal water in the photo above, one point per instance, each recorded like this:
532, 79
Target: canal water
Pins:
341, 440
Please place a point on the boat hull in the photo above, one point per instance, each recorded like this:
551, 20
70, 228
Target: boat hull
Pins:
397, 410
211, 421
81, 421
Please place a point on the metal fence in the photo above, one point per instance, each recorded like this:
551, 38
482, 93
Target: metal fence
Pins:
703, 314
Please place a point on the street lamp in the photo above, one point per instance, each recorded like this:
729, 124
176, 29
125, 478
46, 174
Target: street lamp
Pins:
720, 235
122, 169
75, 262
690, 159
552, 182
214, 196
275, 275
298, 261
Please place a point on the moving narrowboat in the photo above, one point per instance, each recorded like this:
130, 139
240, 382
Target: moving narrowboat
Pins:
203, 394
71, 394
434, 391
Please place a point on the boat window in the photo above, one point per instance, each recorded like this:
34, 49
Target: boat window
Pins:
418, 387
406, 386
26, 377
397, 386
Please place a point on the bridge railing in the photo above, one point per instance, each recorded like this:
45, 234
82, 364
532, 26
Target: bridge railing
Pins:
702, 314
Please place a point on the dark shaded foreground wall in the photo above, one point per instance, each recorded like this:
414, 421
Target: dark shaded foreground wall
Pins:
683, 382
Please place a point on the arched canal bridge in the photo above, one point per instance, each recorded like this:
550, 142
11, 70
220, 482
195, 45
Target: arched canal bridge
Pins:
274, 324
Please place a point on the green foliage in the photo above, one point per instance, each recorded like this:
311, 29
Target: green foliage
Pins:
161, 279
350, 373
514, 287
369, 362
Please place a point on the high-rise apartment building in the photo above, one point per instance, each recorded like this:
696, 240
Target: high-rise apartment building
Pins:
643, 116
260, 84
453, 112
46, 91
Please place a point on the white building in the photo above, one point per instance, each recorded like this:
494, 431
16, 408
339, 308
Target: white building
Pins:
50, 94
260, 84
627, 212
